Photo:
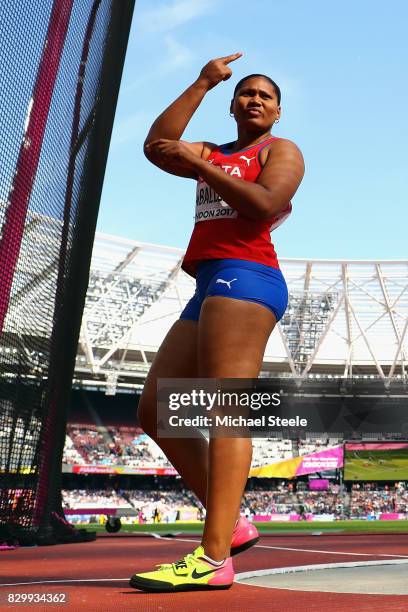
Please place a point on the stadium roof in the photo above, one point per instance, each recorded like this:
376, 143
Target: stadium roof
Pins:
344, 318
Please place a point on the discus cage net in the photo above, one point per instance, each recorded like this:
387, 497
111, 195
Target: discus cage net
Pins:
60, 64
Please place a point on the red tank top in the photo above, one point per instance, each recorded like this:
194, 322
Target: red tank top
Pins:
220, 231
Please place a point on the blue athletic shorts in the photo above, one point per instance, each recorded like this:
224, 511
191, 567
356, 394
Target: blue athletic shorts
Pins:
241, 280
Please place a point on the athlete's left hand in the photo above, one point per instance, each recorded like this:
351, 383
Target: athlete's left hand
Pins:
175, 151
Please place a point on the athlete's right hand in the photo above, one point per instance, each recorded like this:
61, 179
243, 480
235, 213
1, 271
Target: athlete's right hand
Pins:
217, 70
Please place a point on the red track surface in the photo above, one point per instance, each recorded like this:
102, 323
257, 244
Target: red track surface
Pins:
117, 557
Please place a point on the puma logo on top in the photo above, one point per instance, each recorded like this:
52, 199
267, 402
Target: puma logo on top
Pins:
221, 280
247, 159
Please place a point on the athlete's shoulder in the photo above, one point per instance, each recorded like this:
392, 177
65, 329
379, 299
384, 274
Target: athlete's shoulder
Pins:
277, 142
281, 147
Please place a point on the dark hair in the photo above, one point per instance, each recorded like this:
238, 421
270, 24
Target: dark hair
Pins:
263, 76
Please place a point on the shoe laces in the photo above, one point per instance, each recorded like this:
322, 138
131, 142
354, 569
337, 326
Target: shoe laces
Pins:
163, 566
185, 561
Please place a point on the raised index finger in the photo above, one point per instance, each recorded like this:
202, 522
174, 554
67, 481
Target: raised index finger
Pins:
231, 58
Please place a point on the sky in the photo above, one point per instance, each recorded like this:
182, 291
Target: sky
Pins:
342, 68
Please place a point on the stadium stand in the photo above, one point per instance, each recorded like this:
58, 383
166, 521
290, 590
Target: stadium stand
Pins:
369, 499
112, 446
130, 446
365, 500
270, 450
72, 456
83, 498
309, 445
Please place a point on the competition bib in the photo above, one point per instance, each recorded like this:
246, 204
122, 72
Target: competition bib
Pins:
210, 206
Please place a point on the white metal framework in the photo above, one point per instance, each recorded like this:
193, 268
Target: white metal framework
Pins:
345, 318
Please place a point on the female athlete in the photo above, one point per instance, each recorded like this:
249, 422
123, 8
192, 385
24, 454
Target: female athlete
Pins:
244, 189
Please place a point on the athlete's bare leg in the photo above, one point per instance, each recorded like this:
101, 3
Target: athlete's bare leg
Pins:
177, 358
231, 343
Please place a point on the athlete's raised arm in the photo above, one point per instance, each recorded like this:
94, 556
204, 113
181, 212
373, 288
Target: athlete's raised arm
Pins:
173, 121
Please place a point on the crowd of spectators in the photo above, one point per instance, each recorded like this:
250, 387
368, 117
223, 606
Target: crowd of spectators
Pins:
285, 498
146, 504
270, 450
111, 446
369, 499
130, 446
82, 498
314, 445
72, 456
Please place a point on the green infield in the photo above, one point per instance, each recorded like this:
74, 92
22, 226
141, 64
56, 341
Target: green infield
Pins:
270, 527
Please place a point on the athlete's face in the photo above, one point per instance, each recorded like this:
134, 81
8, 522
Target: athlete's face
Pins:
256, 104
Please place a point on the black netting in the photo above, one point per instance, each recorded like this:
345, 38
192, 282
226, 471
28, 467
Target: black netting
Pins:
60, 66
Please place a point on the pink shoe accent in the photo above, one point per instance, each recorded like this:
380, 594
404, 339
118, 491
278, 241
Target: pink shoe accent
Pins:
224, 575
244, 536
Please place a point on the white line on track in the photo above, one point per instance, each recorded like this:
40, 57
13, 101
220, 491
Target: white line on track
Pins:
254, 573
332, 552
308, 550
75, 580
